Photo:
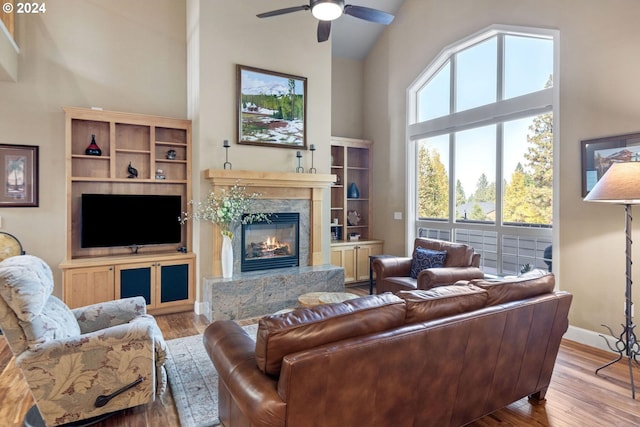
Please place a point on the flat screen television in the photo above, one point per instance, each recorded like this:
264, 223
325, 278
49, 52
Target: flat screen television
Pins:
110, 220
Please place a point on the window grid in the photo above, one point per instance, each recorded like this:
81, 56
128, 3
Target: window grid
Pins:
507, 249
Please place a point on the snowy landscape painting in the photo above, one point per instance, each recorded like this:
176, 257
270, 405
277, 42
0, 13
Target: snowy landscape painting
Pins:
271, 108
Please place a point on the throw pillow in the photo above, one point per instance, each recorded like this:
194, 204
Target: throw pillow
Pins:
426, 258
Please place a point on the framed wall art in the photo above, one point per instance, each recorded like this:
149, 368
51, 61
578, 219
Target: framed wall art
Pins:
19, 174
271, 108
599, 154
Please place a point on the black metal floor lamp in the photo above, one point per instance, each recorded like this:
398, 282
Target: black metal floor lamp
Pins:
621, 185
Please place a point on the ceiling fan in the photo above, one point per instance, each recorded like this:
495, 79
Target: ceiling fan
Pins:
328, 10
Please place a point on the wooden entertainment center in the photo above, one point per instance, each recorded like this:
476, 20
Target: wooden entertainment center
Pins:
140, 155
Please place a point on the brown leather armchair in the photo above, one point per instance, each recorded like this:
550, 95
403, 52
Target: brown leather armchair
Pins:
393, 274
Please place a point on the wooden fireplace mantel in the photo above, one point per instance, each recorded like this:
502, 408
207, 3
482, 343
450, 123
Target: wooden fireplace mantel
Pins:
228, 177
278, 185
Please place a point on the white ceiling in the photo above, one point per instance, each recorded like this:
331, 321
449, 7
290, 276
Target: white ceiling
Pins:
353, 38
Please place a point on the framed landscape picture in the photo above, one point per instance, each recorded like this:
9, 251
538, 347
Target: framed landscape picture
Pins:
19, 172
271, 108
599, 154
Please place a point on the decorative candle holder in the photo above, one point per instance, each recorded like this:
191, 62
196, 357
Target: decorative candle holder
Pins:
299, 169
226, 146
312, 148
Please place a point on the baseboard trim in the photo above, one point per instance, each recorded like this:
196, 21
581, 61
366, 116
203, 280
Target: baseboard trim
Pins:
590, 338
202, 308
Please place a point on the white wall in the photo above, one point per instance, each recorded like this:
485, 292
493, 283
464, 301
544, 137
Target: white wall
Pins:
599, 90
347, 86
229, 33
116, 54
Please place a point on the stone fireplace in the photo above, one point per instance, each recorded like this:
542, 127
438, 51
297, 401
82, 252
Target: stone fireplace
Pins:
264, 291
280, 192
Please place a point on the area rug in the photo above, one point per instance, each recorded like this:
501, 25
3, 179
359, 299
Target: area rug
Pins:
194, 380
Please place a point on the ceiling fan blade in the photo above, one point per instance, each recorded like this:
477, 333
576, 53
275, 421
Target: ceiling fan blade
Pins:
324, 29
368, 14
283, 11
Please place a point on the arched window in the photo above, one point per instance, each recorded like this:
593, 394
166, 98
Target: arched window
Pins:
480, 146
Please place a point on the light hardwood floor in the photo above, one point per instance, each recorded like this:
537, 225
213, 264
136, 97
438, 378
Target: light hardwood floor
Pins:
576, 397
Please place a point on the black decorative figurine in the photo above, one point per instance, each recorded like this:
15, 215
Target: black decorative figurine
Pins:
93, 149
133, 172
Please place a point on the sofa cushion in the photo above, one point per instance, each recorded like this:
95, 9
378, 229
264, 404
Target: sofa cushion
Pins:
426, 258
531, 284
400, 283
423, 305
304, 328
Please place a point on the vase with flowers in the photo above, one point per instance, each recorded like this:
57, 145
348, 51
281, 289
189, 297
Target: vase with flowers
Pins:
226, 208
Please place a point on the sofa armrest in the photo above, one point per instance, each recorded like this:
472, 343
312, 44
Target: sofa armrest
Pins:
51, 351
392, 267
475, 260
232, 352
110, 313
432, 277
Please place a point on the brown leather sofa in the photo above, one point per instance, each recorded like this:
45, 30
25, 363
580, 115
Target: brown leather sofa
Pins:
441, 357
461, 263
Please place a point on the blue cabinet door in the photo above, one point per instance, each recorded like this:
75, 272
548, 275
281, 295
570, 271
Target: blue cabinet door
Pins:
174, 283
136, 282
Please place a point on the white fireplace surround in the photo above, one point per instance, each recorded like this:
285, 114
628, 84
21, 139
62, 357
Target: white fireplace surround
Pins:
282, 186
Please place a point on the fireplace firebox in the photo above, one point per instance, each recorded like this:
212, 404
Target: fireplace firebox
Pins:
271, 244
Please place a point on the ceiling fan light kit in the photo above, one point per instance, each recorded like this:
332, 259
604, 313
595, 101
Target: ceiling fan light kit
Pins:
328, 10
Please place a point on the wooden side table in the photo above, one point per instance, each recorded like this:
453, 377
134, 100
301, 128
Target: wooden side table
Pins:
371, 258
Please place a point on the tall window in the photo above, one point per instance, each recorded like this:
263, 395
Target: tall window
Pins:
481, 147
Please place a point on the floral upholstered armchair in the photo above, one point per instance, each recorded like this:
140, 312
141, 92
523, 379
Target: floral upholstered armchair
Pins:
79, 363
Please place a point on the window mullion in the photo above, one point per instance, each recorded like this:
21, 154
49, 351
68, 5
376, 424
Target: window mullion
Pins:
453, 90
452, 178
499, 149
499, 187
509, 109
500, 68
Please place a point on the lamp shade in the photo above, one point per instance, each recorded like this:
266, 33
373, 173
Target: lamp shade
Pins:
327, 10
620, 184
